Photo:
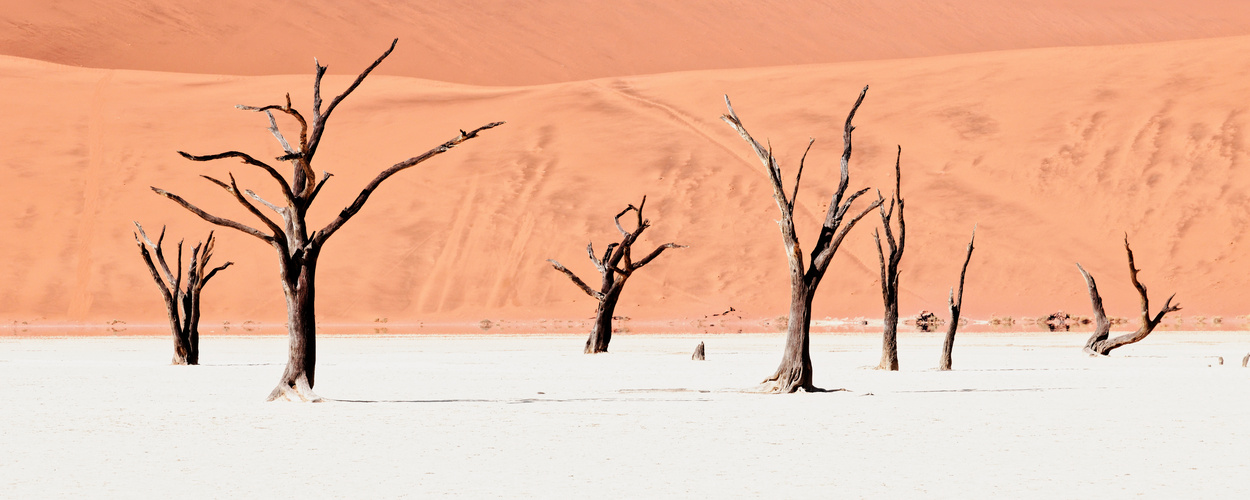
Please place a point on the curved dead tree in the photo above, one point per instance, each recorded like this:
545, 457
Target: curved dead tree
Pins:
795, 371
298, 245
182, 298
616, 266
889, 269
957, 304
1099, 344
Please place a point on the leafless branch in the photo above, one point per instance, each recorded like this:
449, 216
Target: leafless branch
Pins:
212, 218
286, 189
577, 281
351, 210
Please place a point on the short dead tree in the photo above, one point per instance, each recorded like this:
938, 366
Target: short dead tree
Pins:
616, 266
957, 304
182, 298
889, 269
298, 246
795, 371
1099, 344
927, 321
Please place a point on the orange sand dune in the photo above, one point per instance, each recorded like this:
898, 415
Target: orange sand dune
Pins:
1055, 153
534, 42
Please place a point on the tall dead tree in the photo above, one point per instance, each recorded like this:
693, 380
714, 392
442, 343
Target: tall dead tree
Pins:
616, 266
889, 269
182, 298
957, 304
299, 248
795, 371
1099, 344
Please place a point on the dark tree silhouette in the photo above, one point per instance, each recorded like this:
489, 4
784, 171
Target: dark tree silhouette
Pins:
795, 371
182, 298
299, 248
1099, 344
889, 269
957, 304
616, 266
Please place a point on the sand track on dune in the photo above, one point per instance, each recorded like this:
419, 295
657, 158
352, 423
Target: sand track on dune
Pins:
1055, 153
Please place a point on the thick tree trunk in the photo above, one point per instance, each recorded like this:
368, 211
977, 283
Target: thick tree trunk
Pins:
601, 334
889, 339
948, 345
298, 378
795, 372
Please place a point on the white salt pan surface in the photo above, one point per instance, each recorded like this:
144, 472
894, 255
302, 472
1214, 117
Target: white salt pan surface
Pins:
1023, 415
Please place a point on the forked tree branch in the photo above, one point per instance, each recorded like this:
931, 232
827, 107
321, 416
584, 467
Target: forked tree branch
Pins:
319, 118
233, 189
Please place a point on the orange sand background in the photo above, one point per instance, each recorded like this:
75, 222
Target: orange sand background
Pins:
1055, 127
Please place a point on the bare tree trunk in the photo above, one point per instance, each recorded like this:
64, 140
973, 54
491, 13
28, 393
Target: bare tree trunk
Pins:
889, 338
795, 370
1099, 344
300, 374
601, 334
957, 304
700, 353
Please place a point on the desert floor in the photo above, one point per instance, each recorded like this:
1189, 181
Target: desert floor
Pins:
1022, 415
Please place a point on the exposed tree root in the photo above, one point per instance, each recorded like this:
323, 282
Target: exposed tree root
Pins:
300, 391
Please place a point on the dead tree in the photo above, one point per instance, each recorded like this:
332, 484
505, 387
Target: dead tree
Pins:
889, 269
1098, 343
616, 266
795, 371
957, 304
182, 298
298, 247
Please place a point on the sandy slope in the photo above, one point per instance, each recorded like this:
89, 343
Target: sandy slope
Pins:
1054, 152
1023, 416
503, 42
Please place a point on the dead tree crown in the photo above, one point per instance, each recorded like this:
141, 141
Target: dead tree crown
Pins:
299, 247
615, 267
182, 298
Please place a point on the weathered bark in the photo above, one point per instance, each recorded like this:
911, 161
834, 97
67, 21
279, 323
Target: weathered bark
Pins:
1099, 344
699, 353
795, 371
298, 248
1245, 361
616, 266
890, 271
957, 304
182, 300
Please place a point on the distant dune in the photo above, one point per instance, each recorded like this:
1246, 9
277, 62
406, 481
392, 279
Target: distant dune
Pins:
1055, 153
528, 42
